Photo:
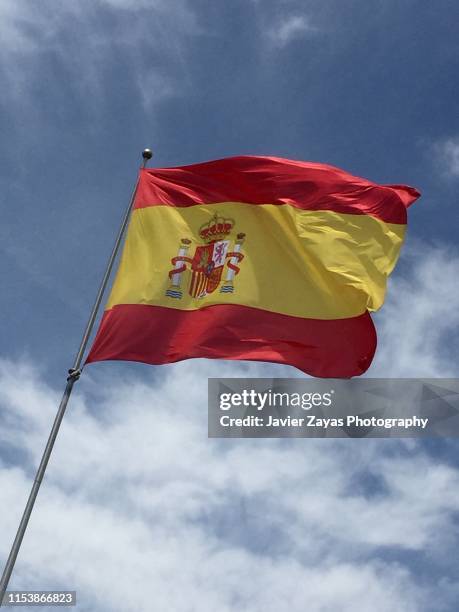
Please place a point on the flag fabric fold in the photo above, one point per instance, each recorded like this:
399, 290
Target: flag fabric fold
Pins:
254, 258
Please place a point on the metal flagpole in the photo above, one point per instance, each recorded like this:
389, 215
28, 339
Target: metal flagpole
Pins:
74, 375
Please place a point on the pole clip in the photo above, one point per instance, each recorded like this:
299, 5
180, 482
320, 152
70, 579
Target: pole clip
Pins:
74, 374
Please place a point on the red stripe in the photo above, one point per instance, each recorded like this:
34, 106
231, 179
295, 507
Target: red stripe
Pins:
153, 334
272, 180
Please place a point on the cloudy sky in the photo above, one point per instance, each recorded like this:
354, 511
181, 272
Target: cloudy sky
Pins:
139, 509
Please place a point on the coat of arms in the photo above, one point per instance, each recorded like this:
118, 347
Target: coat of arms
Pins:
214, 264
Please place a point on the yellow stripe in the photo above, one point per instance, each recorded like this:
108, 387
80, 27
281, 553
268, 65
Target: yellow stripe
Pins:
314, 264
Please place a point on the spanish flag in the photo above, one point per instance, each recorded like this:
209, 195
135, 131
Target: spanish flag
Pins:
254, 258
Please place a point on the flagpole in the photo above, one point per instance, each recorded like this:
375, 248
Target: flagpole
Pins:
74, 375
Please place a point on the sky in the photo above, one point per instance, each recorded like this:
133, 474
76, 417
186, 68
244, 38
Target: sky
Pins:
139, 510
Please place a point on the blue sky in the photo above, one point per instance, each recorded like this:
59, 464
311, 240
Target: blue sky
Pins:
370, 86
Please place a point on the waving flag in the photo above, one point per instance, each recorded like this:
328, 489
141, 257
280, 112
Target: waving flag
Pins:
255, 258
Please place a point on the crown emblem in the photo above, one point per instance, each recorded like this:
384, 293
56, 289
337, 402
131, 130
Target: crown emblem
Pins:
213, 265
216, 229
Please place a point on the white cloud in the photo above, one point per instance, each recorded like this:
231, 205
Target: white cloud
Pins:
73, 45
288, 29
138, 503
447, 156
418, 324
